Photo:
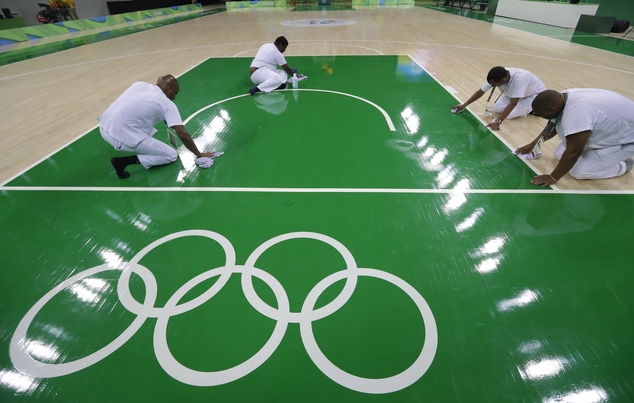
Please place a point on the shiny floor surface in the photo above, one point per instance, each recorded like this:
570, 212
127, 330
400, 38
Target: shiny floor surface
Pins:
349, 246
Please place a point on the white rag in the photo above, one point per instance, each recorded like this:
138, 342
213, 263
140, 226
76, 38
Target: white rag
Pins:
529, 156
204, 162
302, 78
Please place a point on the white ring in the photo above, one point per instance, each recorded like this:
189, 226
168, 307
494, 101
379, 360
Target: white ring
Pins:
296, 317
26, 364
198, 378
132, 305
367, 385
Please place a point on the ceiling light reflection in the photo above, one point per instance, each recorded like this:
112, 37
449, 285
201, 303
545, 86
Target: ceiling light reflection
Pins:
530, 347
493, 245
446, 176
524, 298
457, 198
111, 257
412, 120
422, 142
141, 221
594, 395
470, 221
462, 186
488, 265
438, 158
210, 132
17, 382
90, 290
455, 201
41, 350
545, 368
204, 142
114, 216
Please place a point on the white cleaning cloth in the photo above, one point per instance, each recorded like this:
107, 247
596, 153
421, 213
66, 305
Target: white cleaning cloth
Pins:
529, 156
302, 78
455, 110
204, 162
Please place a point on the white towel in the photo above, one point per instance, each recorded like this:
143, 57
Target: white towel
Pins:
204, 162
302, 78
528, 156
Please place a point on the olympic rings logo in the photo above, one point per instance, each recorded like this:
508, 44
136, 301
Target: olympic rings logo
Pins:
25, 363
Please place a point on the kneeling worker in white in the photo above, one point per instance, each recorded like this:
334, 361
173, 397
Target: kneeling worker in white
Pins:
264, 72
596, 128
518, 89
128, 125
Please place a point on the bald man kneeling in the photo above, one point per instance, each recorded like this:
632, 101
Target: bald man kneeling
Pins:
128, 125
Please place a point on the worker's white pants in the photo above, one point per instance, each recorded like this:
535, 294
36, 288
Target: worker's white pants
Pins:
268, 80
523, 107
598, 164
151, 152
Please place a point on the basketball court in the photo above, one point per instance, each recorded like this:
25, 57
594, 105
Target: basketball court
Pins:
355, 243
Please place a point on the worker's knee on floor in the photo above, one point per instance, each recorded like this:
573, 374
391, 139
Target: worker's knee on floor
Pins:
172, 156
580, 174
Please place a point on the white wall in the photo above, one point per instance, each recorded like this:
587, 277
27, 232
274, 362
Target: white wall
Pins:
28, 9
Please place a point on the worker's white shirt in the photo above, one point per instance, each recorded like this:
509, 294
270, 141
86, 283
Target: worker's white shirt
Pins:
268, 57
131, 117
609, 117
523, 84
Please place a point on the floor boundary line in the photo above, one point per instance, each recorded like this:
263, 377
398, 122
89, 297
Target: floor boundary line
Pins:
308, 190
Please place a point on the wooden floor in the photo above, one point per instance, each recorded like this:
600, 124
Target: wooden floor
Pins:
51, 100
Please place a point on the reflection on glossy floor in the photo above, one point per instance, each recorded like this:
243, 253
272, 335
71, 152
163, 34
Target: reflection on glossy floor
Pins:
356, 242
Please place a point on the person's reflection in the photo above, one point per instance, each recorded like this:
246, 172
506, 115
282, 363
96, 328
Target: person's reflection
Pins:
563, 214
486, 147
272, 102
165, 206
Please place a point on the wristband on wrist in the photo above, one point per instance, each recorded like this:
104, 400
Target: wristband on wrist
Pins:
551, 177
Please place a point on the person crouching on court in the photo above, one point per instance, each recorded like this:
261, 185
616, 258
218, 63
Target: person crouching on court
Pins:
518, 88
128, 125
596, 128
264, 72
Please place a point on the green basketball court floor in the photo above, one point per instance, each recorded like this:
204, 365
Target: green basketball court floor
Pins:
355, 243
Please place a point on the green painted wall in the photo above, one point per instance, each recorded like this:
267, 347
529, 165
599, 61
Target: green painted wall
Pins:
621, 9
10, 23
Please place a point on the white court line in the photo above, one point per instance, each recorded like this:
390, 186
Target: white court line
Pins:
390, 124
537, 190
